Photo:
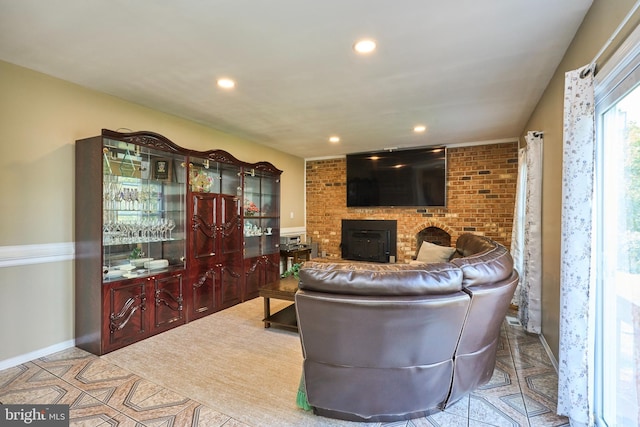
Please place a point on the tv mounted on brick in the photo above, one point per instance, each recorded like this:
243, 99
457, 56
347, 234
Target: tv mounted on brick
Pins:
415, 177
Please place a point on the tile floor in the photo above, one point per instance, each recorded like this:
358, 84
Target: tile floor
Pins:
522, 392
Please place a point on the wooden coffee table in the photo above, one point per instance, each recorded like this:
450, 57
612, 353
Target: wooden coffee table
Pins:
284, 289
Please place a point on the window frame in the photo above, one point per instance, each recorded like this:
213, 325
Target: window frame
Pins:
619, 76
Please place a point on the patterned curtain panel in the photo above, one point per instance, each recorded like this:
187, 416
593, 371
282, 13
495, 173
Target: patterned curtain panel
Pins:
577, 279
517, 233
526, 245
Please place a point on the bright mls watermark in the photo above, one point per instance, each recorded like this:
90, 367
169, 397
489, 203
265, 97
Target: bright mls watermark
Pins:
34, 415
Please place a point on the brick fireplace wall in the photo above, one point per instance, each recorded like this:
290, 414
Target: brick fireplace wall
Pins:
481, 190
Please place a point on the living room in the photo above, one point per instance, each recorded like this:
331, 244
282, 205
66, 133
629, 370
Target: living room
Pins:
44, 115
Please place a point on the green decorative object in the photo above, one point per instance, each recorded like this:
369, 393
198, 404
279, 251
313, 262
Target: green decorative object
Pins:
293, 271
301, 398
136, 253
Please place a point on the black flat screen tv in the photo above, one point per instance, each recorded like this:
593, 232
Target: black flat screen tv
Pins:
410, 178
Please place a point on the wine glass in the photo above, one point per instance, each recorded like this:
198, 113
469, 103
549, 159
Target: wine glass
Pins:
171, 224
106, 229
136, 199
155, 229
115, 196
126, 198
145, 230
162, 229
144, 199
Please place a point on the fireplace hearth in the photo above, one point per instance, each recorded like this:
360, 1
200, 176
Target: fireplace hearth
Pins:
369, 240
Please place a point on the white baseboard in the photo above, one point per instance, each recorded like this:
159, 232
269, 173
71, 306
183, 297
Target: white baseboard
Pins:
12, 256
554, 362
23, 358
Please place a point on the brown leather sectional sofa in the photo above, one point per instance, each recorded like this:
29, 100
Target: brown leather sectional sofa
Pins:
386, 342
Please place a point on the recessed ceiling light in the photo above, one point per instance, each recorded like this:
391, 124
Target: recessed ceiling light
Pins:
334, 139
364, 46
419, 128
226, 83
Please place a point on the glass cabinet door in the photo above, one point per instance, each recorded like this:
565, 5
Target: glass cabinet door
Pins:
208, 176
143, 210
261, 209
271, 219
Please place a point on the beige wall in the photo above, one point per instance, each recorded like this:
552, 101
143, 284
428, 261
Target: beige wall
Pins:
40, 118
599, 24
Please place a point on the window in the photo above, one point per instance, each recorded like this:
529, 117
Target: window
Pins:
618, 225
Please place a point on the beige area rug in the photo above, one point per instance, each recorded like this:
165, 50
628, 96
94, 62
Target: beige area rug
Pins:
229, 362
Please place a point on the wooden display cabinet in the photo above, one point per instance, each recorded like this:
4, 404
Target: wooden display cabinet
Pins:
215, 249
126, 305
162, 237
259, 271
139, 308
169, 301
130, 238
261, 215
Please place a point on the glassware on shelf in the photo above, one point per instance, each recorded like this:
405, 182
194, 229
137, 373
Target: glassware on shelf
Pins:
126, 198
252, 230
135, 201
145, 230
171, 224
143, 198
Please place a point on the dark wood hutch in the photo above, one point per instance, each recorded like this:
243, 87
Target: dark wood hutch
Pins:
165, 235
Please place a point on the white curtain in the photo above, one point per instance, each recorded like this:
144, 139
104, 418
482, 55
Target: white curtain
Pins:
517, 233
526, 244
577, 281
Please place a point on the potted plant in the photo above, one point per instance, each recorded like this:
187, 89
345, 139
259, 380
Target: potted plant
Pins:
293, 271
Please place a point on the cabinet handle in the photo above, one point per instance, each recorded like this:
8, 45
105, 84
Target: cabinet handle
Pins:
128, 307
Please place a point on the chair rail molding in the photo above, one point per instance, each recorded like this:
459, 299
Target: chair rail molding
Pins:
289, 231
13, 256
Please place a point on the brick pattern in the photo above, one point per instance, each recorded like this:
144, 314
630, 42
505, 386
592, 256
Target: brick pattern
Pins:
481, 190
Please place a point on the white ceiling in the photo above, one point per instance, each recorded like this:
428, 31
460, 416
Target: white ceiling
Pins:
469, 70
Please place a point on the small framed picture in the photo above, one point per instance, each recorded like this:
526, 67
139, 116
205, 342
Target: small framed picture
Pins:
162, 169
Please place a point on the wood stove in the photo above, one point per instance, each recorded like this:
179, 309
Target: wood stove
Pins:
369, 240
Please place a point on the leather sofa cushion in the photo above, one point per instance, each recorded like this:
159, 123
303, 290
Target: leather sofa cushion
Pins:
483, 261
380, 279
471, 244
